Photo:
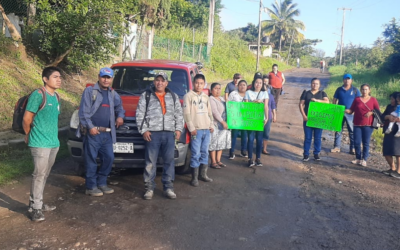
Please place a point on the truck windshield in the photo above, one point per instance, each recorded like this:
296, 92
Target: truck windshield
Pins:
136, 80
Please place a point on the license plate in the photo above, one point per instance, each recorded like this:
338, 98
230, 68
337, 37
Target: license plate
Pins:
120, 147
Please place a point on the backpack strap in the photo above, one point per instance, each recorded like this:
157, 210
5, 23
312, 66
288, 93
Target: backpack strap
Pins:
147, 96
42, 91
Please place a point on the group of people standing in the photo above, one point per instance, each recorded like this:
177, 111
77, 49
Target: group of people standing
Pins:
360, 109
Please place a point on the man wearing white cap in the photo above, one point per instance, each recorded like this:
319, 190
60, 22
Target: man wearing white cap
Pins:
100, 112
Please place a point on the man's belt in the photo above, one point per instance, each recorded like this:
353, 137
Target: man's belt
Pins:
103, 129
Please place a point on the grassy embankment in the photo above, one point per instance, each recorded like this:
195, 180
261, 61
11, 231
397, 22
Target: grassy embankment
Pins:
382, 85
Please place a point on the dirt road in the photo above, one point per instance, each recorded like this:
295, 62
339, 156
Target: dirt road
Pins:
286, 204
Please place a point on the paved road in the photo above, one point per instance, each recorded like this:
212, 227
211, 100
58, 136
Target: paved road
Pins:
283, 205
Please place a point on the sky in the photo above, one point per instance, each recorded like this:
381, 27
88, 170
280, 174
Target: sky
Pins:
363, 24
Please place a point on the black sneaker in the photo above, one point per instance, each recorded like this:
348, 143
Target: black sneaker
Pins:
395, 175
316, 157
45, 207
258, 163
37, 215
306, 158
231, 156
243, 154
251, 163
387, 172
352, 152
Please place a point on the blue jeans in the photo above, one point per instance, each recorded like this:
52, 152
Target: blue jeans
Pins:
338, 135
258, 135
199, 148
101, 146
308, 134
243, 138
267, 130
362, 134
162, 143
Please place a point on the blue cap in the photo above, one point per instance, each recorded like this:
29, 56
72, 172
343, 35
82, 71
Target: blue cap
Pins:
106, 72
347, 76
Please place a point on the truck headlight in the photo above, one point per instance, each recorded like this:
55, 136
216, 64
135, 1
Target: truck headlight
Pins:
74, 123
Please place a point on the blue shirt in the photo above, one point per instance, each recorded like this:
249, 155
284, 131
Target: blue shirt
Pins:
102, 116
346, 97
230, 87
88, 108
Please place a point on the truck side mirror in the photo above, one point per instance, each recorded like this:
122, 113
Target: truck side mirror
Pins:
206, 91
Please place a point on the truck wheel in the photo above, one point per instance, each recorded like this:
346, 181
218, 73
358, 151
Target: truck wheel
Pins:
80, 170
185, 168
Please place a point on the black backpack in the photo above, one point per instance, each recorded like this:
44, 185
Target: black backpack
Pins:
20, 107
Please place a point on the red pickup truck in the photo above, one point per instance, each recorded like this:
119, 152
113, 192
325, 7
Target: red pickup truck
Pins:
131, 79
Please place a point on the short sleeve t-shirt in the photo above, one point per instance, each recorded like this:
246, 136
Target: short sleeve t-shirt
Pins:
230, 87
360, 109
346, 97
252, 95
308, 95
235, 97
44, 133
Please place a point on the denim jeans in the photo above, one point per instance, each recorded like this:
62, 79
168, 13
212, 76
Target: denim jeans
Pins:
199, 148
267, 130
362, 134
101, 146
308, 135
258, 135
338, 135
43, 160
162, 144
243, 138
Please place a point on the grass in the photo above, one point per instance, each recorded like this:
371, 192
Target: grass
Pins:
382, 85
17, 163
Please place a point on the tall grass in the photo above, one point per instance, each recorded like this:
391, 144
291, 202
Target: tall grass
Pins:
382, 85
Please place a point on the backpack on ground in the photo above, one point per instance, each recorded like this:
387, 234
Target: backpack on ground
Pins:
20, 107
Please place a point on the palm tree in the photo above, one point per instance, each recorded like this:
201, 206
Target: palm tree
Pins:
282, 25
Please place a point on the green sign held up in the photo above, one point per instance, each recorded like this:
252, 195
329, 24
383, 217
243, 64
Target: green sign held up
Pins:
245, 115
326, 116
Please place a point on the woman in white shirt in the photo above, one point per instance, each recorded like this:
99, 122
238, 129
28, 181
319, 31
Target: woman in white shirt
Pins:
257, 94
237, 96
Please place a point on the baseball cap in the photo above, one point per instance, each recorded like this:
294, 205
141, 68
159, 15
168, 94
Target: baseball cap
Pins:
106, 72
347, 76
163, 75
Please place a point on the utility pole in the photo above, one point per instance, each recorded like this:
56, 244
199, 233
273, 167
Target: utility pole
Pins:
259, 37
211, 26
341, 44
290, 48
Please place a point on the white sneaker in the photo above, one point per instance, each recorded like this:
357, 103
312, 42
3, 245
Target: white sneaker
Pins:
363, 163
388, 131
170, 194
358, 162
148, 195
397, 134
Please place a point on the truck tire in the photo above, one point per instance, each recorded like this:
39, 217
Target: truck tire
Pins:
185, 168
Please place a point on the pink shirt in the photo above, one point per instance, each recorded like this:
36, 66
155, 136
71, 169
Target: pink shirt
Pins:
360, 109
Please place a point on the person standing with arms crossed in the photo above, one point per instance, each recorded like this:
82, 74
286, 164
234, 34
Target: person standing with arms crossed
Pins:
164, 125
97, 111
276, 81
199, 120
41, 135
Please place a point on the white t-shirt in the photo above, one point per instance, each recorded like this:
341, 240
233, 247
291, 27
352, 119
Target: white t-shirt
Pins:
235, 97
252, 95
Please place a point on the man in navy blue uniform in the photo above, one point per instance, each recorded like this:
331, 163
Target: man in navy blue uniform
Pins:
100, 113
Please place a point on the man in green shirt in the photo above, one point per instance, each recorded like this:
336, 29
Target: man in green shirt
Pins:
41, 129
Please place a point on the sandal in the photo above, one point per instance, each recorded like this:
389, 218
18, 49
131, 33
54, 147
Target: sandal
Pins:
221, 164
215, 165
265, 152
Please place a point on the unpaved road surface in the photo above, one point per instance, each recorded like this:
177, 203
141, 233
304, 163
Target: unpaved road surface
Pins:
286, 204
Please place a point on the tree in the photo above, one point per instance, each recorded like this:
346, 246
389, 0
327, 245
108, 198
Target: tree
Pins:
11, 28
391, 30
282, 23
80, 33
